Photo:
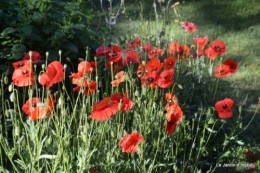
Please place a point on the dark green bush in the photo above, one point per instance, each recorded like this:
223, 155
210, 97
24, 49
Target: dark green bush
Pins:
45, 25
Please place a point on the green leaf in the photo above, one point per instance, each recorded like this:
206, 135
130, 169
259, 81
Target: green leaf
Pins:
70, 47
18, 50
35, 37
240, 142
27, 30
79, 27
9, 30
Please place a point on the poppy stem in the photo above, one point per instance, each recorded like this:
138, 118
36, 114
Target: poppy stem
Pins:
215, 92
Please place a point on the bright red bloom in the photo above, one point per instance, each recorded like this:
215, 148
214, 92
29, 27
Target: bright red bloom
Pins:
23, 76
88, 87
174, 111
155, 53
226, 69
154, 65
36, 57
84, 67
102, 51
104, 109
150, 79
174, 115
119, 78
217, 48
35, 109
224, 108
198, 53
127, 104
176, 50
169, 63
115, 55
115, 66
165, 79
170, 99
147, 47
189, 27
140, 70
135, 42
54, 74
131, 56
20, 64
201, 42
129, 142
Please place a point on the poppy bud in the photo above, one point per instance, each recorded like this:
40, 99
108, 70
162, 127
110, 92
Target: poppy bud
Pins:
16, 131
10, 88
6, 80
43, 66
12, 97
30, 54
65, 66
47, 54
60, 51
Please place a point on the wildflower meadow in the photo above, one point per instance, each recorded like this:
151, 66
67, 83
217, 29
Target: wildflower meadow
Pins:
119, 86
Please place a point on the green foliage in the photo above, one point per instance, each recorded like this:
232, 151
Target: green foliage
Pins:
45, 26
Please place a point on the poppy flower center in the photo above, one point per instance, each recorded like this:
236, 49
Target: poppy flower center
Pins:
170, 123
166, 77
154, 68
222, 70
20, 64
150, 79
25, 72
224, 106
217, 48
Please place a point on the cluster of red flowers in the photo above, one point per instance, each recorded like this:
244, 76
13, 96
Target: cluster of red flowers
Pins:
153, 73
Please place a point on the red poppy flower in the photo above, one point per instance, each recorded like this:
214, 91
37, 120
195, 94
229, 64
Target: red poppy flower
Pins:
104, 109
131, 56
20, 64
119, 78
115, 65
217, 48
226, 69
54, 74
94, 170
140, 70
36, 57
224, 108
35, 109
170, 99
251, 155
189, 27
201, 42
169, 63
84, 67
127, 104
147, 47
170, 127
176, 50
129, 142
135, 42
155, 53
198, 53
150, 79
154, 65
115, 55
93, 65
102, 51
165, 79
174, 112
88, 87
23, 76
